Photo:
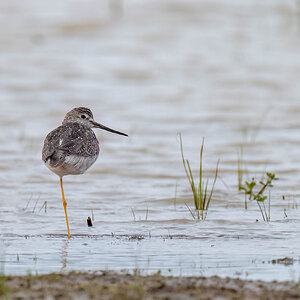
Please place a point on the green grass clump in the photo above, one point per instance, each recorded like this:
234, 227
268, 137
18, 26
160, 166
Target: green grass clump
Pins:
202, 196
259, 196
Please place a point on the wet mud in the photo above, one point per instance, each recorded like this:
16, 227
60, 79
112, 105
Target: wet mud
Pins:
110, 285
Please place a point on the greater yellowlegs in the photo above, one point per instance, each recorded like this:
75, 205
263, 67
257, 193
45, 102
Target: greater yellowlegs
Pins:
72, 148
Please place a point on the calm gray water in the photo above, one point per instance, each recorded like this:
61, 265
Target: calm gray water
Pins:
225, 70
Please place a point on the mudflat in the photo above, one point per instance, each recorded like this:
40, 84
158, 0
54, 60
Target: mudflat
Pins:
111, 285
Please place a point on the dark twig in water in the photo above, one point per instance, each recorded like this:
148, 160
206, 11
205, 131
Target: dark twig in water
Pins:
147, 212
89, 222
28, 202
33, 210
133, 214
175, 196
44, 205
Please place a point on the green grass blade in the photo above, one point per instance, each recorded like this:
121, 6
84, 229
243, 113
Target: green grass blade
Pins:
269, 208
190, 210
183, 160
213, 186
203, 207
193, 186
265, 211
261, 211
200, 188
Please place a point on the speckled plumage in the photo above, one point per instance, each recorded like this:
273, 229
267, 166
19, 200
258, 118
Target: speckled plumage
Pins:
66, 143
72, 148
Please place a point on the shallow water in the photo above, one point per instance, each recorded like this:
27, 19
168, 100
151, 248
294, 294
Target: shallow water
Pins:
220, 69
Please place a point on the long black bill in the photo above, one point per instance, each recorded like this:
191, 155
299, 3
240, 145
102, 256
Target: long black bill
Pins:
97, 125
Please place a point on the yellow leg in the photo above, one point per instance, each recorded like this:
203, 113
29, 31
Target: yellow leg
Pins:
65, 205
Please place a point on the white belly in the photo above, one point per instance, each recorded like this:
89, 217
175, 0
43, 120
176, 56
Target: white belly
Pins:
73, 165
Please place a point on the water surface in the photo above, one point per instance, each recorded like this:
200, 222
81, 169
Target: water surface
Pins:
225, 70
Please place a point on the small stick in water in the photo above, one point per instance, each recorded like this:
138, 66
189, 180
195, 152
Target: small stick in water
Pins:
89, 222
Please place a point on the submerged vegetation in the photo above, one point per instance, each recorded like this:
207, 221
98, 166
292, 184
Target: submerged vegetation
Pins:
202, 196
253, 190
258, 195
35, 205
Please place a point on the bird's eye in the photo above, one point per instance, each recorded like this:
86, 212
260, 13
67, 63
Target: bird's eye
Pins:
83, 116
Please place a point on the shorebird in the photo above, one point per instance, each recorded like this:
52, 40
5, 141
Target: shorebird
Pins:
72, 148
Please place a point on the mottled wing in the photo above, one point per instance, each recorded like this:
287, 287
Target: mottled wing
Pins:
81, 141
69, 139
52, 149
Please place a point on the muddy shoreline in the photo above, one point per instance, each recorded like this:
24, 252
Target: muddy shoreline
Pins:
111, 285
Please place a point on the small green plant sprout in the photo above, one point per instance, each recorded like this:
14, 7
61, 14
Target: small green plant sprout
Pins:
248, 190
202, 196
259, 196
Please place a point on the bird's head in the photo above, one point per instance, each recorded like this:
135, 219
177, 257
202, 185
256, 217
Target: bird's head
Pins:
85, 117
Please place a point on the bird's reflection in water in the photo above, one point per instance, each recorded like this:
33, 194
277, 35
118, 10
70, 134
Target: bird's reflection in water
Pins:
64, 255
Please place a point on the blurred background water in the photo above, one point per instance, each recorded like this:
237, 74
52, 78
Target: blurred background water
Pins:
224, 70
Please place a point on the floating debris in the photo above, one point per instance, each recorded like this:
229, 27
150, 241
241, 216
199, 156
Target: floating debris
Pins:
284, 261
136, 237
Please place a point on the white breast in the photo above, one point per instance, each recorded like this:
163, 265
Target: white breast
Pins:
73, 165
